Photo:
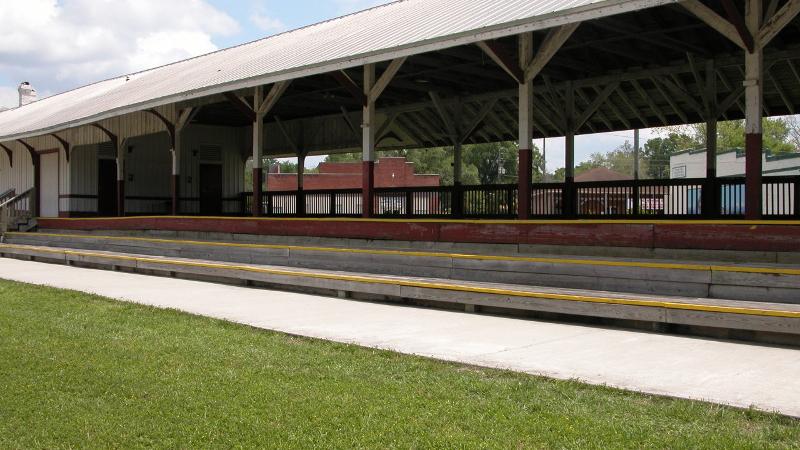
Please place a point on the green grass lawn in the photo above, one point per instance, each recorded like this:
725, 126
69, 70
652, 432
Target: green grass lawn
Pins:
82, 371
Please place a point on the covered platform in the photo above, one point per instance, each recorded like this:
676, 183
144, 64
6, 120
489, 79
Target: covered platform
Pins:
175, 140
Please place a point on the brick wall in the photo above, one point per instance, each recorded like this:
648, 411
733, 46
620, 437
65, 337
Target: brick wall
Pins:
389, 172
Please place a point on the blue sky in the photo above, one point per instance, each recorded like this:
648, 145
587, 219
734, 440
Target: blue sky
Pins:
58, 45
256, 16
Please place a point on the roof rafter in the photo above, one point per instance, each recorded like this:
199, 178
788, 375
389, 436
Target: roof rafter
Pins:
715, 21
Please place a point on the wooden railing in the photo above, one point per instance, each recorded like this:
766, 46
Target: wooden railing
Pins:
7, 195
693, 198
18, 209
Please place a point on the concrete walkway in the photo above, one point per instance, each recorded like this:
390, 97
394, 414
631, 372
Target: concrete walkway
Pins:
732, 373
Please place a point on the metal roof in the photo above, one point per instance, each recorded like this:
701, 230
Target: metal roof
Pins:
397, 29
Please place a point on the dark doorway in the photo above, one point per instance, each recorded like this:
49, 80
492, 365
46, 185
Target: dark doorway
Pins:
107, 187
210, 189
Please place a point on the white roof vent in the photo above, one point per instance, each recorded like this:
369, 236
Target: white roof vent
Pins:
27, 94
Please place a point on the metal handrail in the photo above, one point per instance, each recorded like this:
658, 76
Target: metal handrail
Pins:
17, 198
7, 194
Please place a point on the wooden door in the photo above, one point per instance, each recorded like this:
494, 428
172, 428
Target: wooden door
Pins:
210, 189
106, 187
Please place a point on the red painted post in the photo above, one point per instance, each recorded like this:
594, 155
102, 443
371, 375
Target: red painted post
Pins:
120, 198
367, 186
258, 183
175, 194
753, 167
525, 179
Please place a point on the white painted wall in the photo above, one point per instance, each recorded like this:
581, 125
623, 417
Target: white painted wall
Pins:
148, 163
82, 179
48, 194
693, 165
20, 176
232, 144
148, 172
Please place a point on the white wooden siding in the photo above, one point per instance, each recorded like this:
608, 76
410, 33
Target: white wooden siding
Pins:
48, 195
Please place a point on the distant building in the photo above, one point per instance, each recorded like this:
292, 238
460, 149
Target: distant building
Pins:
395, 172
597, 198
730, 163
389, 172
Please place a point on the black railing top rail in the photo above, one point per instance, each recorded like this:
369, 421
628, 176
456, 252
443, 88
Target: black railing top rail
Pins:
312, 191
634, 183
7, 194
414, 188
780, 179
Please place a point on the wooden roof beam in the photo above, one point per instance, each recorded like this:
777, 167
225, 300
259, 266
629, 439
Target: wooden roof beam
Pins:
503, 58
681, 92
242, 106
349, 85
675, 108
64, 145
448, 120
736, 18
649, 100
782, 93
778, 21
477, 119
554, 40
386, 78
629, 103
596, 103
717, 22
10, 155
613, 107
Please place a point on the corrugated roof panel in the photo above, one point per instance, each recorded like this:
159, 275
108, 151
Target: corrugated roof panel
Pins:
371, 35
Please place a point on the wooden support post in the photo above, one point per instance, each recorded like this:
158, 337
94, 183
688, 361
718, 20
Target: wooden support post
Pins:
258, 153
458, 192
711, 206
121, 150
570, 195
754, 94
525, 166
301, 196
636, 200
184, 118
368, 144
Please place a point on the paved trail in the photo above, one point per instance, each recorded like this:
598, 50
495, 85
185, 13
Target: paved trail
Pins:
732, 373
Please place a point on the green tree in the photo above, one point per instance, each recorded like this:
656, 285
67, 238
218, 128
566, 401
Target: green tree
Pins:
781, 135
657, 151
495, 163
619, 160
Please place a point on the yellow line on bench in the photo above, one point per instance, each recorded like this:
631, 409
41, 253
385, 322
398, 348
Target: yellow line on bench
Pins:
572, 261
428, 285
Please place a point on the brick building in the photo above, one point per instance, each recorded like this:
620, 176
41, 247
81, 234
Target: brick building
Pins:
389, 172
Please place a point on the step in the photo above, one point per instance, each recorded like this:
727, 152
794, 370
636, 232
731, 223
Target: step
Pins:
750, 282
757, 318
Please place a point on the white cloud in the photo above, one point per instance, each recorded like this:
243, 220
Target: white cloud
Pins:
8, 97
264, 22
57, 45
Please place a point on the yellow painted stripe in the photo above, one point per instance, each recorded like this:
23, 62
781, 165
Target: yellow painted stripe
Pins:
571, 261
432, 285
453, 221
